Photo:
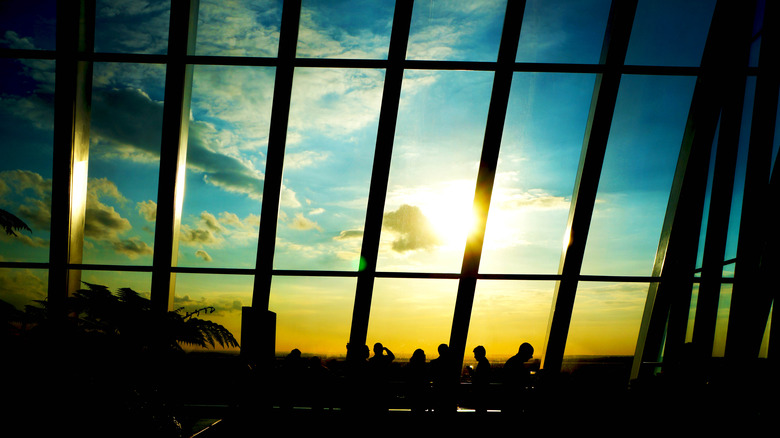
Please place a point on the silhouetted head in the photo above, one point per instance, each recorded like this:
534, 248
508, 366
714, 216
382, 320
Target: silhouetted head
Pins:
418, 355
479, 352
526, 351
378, 347
443, 349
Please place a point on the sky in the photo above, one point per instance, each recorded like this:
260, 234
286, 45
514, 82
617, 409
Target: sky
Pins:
327, 165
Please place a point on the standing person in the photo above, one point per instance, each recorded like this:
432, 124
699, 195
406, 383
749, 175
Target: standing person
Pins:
517, 378
445, 381
418, 379
379, 373
480, 379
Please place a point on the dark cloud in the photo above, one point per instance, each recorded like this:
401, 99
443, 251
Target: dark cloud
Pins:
129, 124
132, 247
349, 234
414, 229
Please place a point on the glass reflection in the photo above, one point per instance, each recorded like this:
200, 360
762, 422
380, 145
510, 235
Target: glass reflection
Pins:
537, 165
569, 31
641, 156
313, 314
22, 287
27, 129
438, 144
327, 168
407, 314
226, 152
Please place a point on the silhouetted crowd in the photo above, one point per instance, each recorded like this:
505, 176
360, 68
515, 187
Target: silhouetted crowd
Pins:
366, 383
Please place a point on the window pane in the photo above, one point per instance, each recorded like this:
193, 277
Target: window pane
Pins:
22, 287
537, 166
27, 129
570, 31
438, 143
28, 24
219, 298
124, 163
669, 32
238, 28
606, 319
327, 168
407, 314
453, 30
722, 321
345, 29
641, 156
226, 152
134, 26
313, 314
506, 314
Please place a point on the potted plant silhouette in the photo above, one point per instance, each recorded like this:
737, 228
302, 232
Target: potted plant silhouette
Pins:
116, 357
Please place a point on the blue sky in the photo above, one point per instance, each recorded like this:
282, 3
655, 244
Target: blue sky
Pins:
330, 147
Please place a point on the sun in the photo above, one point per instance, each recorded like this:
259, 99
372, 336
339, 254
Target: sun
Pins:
449, 210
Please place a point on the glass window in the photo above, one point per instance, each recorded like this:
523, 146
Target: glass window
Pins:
407, 314
238, 28
453, 30
606, 319
722, 321
641, 157
27, 130
438, 144
134, 26
217, 298
327, 168
669, 32
313, 314
569, 31
124, 163
537, 166
22, 287
28, 24
226, 152
506, 314
345, 29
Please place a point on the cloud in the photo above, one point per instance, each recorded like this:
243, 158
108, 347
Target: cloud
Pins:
534, 198
147, 209
203, 255
349, 234
238, 28
133, 247
414, 229
214, 231
302, 223
103, 222
29, 194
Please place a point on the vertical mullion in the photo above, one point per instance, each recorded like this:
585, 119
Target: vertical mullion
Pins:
173, 151
277, 139
667, 306
751, 297
73, 92
494, 129
388, 116
605, 92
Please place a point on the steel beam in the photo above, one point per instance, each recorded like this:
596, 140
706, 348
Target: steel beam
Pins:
173, 151
613, 53
72, 108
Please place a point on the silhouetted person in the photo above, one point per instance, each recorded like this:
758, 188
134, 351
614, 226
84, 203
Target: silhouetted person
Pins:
480, 379
318, 383
379, 375
418, 380
290, 382
517, 378
445, 381
356, 375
